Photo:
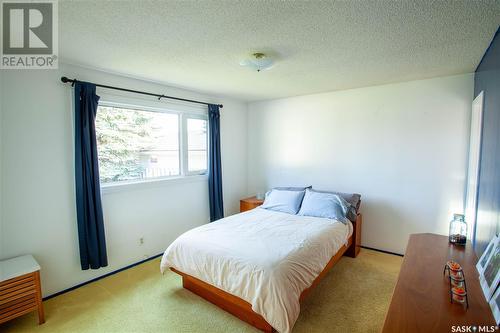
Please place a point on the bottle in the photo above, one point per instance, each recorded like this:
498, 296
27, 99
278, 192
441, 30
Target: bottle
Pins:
458, 230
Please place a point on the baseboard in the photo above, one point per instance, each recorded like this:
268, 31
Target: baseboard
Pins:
154, 257
100, 277
383, 251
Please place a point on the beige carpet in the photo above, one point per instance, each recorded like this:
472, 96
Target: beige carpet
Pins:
353, 297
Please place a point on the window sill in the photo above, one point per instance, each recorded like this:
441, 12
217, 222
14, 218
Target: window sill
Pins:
152, 183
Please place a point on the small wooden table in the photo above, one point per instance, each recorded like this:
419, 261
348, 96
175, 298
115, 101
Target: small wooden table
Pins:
421, 299
20, 290
250, 203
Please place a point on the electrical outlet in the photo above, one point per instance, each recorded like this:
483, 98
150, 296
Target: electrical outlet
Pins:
141, 241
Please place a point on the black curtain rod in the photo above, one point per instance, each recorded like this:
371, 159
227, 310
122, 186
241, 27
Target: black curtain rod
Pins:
64, 79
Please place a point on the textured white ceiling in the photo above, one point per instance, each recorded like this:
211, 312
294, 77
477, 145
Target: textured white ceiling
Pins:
320, 46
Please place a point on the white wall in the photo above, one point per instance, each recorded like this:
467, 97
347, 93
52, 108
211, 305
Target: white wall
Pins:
37, 192
402, 146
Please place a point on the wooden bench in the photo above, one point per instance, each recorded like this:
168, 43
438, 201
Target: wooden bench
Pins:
20, 289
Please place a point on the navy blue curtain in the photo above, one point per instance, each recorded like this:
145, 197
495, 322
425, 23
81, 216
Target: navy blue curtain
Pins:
214, 164
88, 193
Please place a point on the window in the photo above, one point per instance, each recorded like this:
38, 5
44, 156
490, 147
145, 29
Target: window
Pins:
137, 144
197, 144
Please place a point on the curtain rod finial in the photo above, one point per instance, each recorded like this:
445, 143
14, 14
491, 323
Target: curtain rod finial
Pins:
64, 79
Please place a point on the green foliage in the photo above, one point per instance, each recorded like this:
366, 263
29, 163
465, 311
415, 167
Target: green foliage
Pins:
121, 135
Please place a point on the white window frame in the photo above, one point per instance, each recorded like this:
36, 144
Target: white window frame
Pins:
183, 115
185, 147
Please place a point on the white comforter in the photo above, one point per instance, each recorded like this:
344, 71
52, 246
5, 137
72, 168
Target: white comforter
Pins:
265, 257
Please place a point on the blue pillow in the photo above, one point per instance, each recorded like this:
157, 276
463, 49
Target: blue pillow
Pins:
283, 201
353, 199
326, 205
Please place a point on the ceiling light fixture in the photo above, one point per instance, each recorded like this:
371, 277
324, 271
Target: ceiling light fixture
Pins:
258, 61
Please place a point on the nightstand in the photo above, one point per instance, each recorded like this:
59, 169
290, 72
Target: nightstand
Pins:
20, 290
250, 203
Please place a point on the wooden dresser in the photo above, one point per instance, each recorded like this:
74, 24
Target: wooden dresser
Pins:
20, 290
250, 203
421, 299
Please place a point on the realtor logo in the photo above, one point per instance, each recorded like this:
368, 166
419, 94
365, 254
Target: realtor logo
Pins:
29, 34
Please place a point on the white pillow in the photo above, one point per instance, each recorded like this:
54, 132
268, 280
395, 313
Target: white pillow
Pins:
283, 201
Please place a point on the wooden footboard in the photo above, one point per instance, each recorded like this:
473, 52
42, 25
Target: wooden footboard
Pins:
224, 300
241, 308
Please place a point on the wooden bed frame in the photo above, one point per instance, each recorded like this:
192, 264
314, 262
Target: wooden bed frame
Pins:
242, 309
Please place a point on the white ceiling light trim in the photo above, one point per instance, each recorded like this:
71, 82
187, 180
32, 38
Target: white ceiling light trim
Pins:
258, 61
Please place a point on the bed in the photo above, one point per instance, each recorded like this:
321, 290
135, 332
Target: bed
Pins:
259, 265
